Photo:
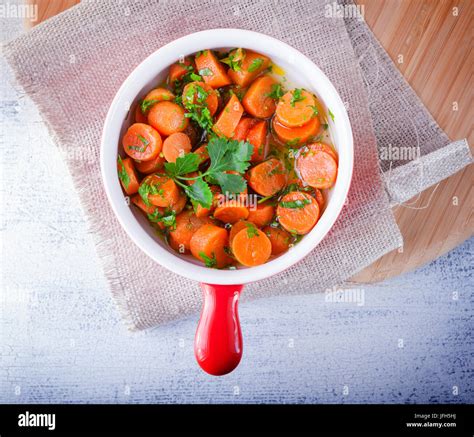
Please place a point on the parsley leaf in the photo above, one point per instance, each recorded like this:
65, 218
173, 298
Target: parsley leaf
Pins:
183, 165
234, 60
230, 183
200, 192
255, 65
145, 189
276, 92
194, 101
315, 110
168, 219
145, 105
295, 204
251, 230
296, 96
122, 173
206, 72
331, 114
228, 155
210, 262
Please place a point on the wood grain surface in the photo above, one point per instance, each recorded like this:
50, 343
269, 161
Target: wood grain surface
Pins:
434, 39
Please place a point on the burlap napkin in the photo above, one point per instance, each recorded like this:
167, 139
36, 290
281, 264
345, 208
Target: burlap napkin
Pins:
73, 64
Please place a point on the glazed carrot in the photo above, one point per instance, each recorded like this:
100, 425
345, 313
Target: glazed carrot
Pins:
279, 238
211, 70
261, 215
209, 244
318, 195
324, 148
236, 228
152, 166
298, 212
175, 146
257, 101
127, 175
242, 129
250, 67
229, 118
267, 178
257, 136
296, 135
160, 190
179, 69
202, 152
296, 108
154, 96
317, 168
139, 116
231, 211
251, 247
195, 92
142, 142
186, 225
167, 118
179, 204
147, 209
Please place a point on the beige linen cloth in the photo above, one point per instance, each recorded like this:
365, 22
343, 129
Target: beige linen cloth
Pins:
73, 64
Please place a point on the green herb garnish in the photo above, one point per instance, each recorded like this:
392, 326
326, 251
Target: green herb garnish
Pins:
276, 92
145, 105
145, 189
252, 231
206, 72
315, 110
255, 65
209, 262
295, 204
296, 96
225, 155
234, 60
168, 218
194, 101
122, 173
331, 114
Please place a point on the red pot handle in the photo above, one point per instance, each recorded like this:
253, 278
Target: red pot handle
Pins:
218, 341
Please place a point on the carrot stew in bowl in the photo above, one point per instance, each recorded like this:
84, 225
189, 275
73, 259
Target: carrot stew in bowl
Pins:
227, 161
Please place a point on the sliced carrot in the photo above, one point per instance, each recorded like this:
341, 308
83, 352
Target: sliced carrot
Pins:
262, 214
268, 178
242, 129
251, 247
152, 166
231, 211
229, 118
147, 209
318, 195
236, 228
317, 168
200, 92
155, 96
256, 100
186, 225
175, 146
160, 190
279, 238
296, 108
179, 204
250, 67
142, 142
211, 70
209, 244
167, 118
298, 212
179, 69
257, 136
139, 116
127, 175
324, 148
296, 135
202, 152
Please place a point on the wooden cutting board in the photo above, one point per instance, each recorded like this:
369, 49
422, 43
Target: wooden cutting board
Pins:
435, 40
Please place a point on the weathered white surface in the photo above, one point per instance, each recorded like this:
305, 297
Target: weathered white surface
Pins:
61, 339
